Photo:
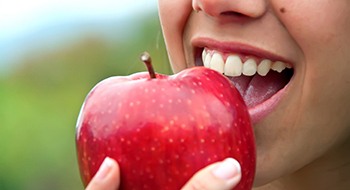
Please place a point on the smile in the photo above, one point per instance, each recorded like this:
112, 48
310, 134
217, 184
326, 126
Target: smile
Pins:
261, 81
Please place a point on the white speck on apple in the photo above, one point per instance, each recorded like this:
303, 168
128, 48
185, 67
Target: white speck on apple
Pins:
165, 129
189, 102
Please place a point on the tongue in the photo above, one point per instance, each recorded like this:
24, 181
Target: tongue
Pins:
257, 89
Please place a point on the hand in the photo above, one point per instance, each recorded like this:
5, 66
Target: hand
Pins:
107, 177
222, 175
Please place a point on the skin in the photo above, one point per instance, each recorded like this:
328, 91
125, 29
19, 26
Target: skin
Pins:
304, 142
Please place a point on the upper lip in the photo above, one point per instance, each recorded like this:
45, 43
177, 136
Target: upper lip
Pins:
237, 47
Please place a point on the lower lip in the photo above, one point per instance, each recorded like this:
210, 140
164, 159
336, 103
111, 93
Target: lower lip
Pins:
260, 111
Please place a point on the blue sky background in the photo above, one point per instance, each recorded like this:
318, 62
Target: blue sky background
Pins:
23, 20
20, 16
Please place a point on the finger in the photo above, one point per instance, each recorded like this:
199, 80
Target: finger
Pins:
107, 177
222, 175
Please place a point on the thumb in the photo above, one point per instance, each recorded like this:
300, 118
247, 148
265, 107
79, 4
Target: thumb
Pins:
222, 175
107, 177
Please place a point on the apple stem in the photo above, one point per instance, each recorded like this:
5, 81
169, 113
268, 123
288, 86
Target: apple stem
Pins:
146, 59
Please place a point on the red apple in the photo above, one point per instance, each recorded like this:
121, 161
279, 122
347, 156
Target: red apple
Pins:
162, 129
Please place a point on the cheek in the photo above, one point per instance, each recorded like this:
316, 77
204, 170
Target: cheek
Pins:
322, 32
317, 26
173, 16
322, 117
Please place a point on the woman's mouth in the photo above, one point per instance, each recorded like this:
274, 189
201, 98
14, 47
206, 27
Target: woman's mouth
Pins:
261, 81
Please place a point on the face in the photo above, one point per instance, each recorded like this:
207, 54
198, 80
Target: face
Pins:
300, 107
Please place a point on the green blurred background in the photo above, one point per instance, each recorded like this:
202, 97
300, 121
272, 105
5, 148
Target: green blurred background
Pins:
45, 74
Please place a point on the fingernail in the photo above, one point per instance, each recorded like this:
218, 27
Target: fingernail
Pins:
227, 169
105, 168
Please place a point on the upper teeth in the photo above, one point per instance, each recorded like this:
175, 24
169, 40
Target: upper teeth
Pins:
233, 65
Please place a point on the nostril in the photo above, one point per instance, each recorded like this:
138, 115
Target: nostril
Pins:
232, 13
233, 16
231, 8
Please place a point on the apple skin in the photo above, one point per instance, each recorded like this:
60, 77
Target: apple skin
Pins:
161, 131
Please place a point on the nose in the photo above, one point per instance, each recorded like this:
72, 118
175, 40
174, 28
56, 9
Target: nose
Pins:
219, 8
